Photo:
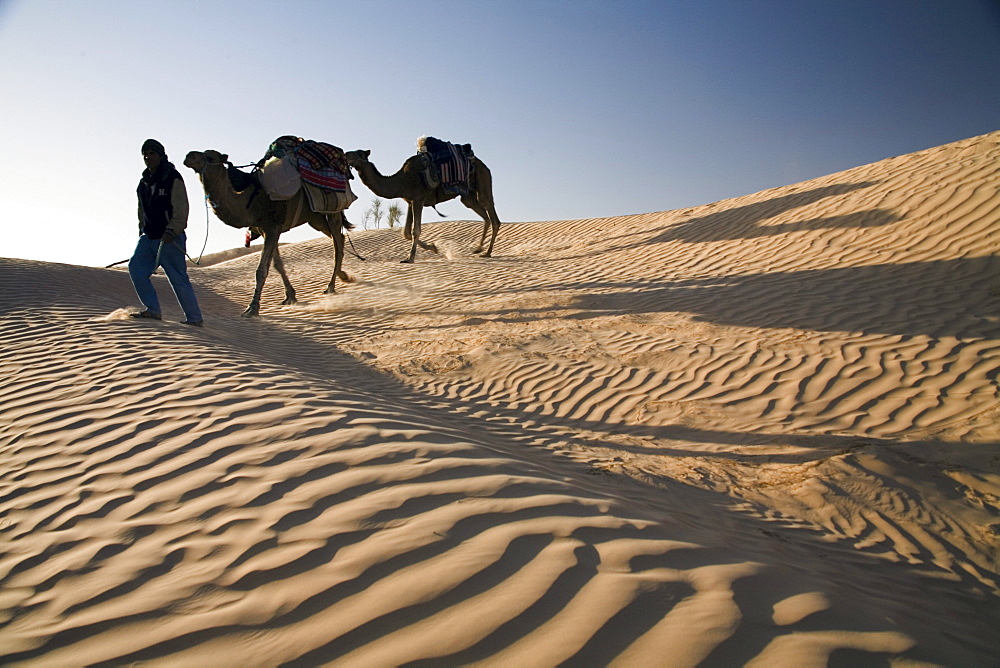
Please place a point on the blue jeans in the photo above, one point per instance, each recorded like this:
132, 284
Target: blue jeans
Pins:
172, 259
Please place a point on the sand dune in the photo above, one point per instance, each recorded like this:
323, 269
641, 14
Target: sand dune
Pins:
762, 431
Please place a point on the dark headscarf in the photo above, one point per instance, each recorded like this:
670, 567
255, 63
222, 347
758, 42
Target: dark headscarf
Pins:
155, 146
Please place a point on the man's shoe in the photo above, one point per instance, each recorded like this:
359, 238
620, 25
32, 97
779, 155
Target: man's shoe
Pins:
146, 314
193, 323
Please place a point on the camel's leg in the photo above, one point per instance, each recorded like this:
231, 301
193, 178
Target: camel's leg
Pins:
408, 228
484, 197
417, 211
332, 225
339, 226
279, 266
337, 233
494, 225
488, 213
471, 202
413, 224
428, 245
266, 257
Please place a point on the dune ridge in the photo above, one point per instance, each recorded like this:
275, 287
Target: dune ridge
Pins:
759, 431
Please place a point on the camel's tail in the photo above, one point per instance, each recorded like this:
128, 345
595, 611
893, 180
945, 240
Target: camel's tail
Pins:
348, 225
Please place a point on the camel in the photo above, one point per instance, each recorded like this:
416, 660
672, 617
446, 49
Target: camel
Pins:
270, 218
408, 184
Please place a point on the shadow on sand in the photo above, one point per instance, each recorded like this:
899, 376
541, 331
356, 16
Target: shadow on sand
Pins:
919, 298
744, 222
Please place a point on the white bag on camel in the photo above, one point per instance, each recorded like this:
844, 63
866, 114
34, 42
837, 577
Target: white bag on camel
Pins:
280, 178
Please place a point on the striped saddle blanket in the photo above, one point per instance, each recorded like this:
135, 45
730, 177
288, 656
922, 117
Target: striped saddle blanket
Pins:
323, 165
320, 164
453, 162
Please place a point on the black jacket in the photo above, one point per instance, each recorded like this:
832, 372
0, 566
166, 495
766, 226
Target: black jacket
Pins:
158, 203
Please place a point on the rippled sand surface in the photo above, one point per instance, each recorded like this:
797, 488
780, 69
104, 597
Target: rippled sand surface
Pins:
761, 431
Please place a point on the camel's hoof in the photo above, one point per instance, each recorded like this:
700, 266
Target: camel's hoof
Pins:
408, 260
478, 251
289, 301
330, 291
432, 248
346, 278
250, 313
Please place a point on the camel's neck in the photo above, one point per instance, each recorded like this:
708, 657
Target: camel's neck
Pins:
389, 187
229, 206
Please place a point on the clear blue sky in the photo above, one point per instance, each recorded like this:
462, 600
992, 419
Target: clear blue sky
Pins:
581, 109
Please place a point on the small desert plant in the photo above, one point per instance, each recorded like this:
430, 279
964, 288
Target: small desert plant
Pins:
395, 214
374, 212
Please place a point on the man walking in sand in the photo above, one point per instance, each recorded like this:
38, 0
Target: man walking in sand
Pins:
163, 213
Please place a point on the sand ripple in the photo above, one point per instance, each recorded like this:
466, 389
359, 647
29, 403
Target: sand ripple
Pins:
758, 431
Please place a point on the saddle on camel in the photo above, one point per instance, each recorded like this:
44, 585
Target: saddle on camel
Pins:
292, 164
447, 165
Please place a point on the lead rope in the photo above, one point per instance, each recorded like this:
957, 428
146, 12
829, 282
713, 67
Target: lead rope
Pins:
203, 246
353, 249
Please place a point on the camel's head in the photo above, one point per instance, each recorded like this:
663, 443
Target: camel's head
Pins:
355, 158
198, 160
